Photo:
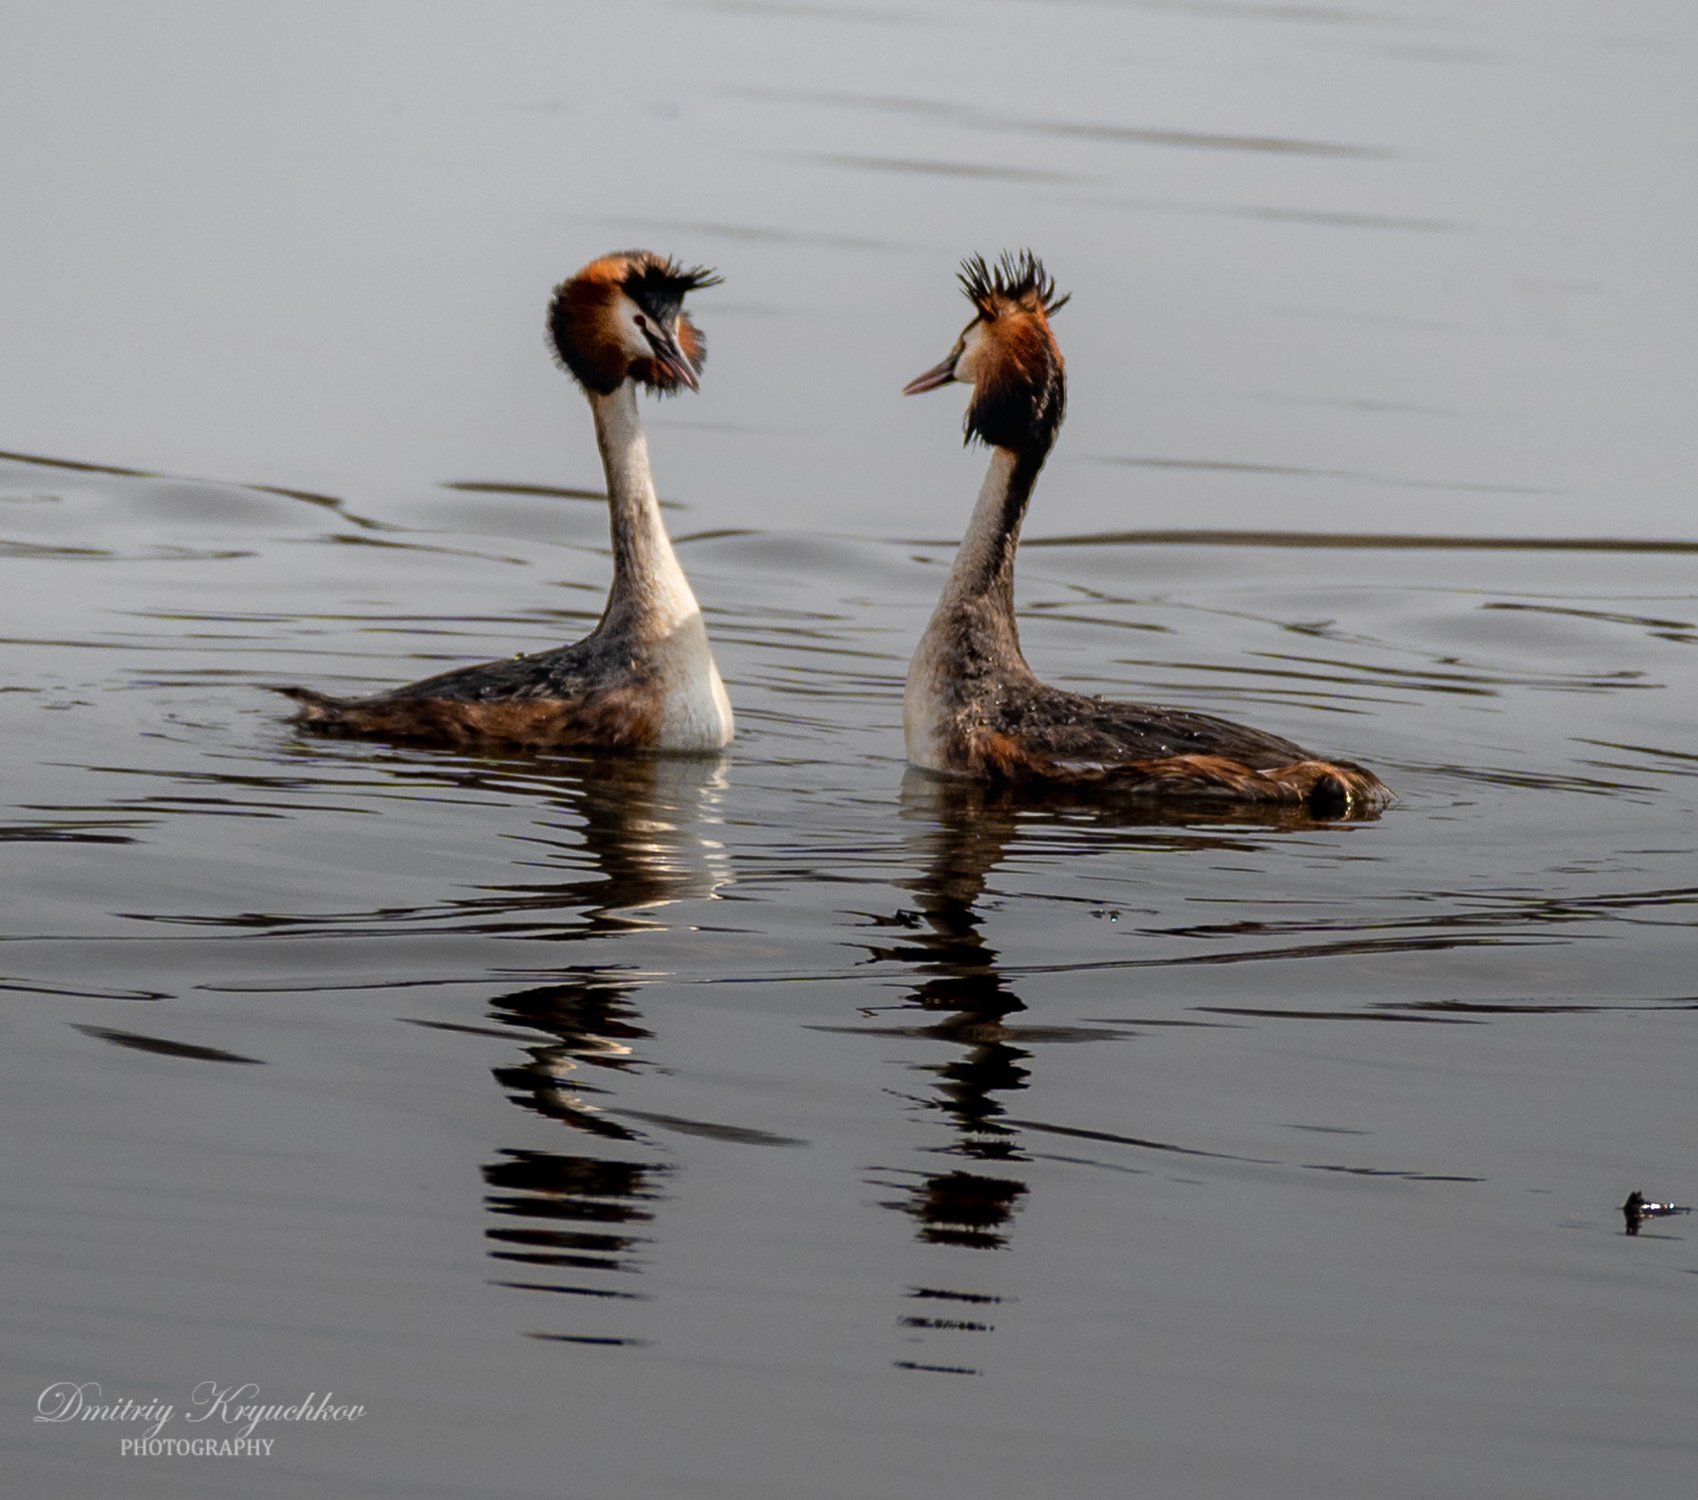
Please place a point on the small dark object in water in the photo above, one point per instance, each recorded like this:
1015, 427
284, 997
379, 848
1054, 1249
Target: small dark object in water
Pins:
1639, 1208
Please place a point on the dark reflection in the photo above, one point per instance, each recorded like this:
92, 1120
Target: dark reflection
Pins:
960, 833
577, 1217
961, 995
969, 1209
961, 999
576, 1223
586, 1021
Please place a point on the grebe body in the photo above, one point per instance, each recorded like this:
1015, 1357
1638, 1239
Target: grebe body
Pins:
972, 706
644, 678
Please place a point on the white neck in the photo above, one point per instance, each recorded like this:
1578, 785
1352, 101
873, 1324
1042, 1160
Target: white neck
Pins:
651, 605
650, 596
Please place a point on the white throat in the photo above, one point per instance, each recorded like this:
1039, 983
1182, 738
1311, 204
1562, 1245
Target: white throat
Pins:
651, 602
650, 595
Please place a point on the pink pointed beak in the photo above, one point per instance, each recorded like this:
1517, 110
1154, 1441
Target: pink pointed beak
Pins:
671, 358
938, 375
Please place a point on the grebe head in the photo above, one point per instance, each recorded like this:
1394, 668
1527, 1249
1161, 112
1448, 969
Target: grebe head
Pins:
1007, 354
622, 318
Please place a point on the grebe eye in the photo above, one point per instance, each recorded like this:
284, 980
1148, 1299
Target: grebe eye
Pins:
641, 321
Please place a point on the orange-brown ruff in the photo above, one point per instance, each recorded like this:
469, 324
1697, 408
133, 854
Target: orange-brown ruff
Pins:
644, 678
973, 707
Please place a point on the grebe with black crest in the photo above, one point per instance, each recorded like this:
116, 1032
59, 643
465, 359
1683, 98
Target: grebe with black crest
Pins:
972, 706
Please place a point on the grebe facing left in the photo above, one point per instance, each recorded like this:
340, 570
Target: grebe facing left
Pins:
973, 707
644, 678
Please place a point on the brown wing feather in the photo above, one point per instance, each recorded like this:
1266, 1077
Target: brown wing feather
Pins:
587, 694
1045, 735
612, 719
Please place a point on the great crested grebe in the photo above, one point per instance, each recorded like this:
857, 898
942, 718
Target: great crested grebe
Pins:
644, 678
972, 706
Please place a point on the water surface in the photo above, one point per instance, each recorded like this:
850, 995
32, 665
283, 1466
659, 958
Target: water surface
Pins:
791, 1124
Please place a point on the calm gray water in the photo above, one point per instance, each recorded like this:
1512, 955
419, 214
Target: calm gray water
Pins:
789, 1125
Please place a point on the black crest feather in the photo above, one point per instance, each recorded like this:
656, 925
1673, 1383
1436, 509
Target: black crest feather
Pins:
1015, 278
657, 283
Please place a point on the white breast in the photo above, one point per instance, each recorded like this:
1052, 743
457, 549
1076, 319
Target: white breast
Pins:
697, 713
